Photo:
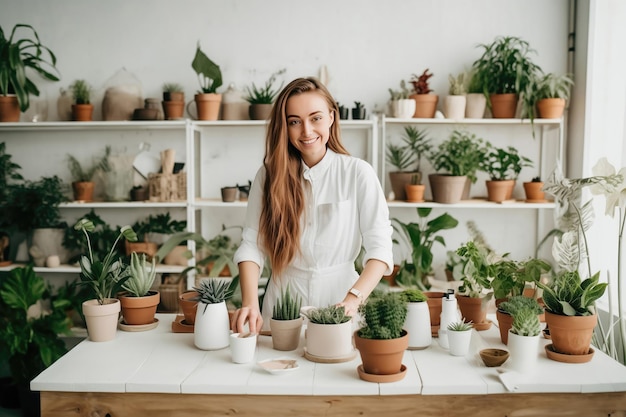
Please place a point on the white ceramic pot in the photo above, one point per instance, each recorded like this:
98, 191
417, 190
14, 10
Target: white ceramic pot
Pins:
454, 107
329, 340
475, 106
242, 347
417, 324
101, 319
459, 342
211, 329
524, 351
403, 108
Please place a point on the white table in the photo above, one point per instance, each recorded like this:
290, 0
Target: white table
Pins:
158, 372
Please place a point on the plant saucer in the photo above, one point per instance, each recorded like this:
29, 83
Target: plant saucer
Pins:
137, 327
325, 359
279, 366
381, 378
179, 325
562, 357
486, 325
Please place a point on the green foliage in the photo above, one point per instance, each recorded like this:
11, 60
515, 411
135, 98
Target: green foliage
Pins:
17, 56
519, 303
554, 86
421, 237
402, 94
29, 343
416, 144
457, 84
35, 204
86, 174
460, 154
213, 291
140, 275
287, 306
208, 72
358, 105
503, 163
510, 277
383, 316
568, 295
100, 237
172, 88
159, 223
526, 323
328, 315
105, 278
476, 271
460, 326
81, 91
413, 295
266, 94
399, 156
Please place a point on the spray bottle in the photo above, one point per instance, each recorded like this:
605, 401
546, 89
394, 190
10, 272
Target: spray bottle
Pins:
449, 314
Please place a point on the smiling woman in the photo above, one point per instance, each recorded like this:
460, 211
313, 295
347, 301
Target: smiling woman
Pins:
308, 192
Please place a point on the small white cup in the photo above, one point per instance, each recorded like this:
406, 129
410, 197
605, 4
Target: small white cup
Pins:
53, 261
242, 347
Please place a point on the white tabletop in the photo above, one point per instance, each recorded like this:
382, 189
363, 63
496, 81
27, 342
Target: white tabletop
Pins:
160, 361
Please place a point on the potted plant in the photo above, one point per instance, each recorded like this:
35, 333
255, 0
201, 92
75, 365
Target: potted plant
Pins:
17, 55
524, 340
82, 109
262, 98
425, 103
381, 340
151, 233
459, 337
475, 290
82, 177
476, 102
105, 279
551, 93
506, 72
30, 335
417, 322
503, 166
229, 192
209, 74
512, 278
328, 335
534, 190
402, 106
419, 238
456, 160
212, 327
100, 238
286, 321
454, 103
403, 158
344, 112
139, 302
359, 112
173, 101
506, 310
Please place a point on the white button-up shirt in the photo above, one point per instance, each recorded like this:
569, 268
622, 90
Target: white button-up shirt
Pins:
345, 210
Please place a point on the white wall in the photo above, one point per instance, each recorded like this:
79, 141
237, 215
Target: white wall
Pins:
368, 46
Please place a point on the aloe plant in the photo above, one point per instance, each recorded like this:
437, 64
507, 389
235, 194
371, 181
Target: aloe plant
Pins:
328, 315
141, 275
213, 291
287, 306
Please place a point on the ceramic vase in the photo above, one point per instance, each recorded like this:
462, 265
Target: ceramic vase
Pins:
328, 341
403, 108
212, 328
417, 325
523, 352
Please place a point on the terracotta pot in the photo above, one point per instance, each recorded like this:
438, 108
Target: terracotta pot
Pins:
550, 108
139, 310
399, 181
149, 248
229, 194
534, 191
140, 194
208, 106
260, 111
188, 306
102, 319
571, 335
391, 278
9, 109
505, 321
173, 110
83, 190
382, 357
447, 189
425, 105
286, 333
415, 192
472, 309
434, 306
503, 106
475, 106
499, 191
82, 112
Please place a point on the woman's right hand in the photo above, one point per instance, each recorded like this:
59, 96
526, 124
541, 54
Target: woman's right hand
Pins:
249, 315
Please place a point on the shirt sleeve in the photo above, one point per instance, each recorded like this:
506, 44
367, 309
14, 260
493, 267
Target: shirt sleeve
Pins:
249, 249
375, 225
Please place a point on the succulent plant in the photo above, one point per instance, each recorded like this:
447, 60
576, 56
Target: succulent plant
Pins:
141, 275
518, 303
383, 316
328, 315
460, 326
526, 323
413, 295
213, 291
287, 306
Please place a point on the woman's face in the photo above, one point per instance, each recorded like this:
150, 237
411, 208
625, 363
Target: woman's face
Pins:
308, 125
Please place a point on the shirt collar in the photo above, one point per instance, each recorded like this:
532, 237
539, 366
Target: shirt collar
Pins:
321, 166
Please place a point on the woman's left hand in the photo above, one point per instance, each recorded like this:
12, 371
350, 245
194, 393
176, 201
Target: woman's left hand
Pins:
351, 305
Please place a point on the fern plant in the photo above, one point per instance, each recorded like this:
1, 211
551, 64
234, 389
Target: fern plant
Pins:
526, 323
213, 291
328, 315
287, 306
383, 316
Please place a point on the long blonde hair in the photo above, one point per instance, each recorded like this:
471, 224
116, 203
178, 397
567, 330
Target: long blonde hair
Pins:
283, 196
